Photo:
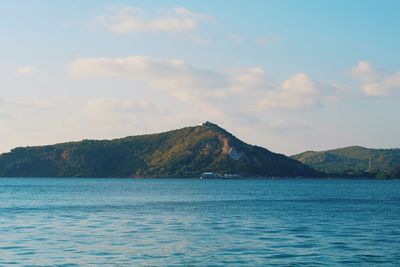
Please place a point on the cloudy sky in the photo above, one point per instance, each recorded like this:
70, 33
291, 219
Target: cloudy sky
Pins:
287, 75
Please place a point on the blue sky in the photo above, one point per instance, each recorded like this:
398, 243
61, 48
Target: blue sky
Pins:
287, 75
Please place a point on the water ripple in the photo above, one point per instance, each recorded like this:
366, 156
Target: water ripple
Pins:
99, 222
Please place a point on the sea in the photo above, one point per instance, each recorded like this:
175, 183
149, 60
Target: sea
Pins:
193, 222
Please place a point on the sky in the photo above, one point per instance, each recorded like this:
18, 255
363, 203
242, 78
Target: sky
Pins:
287, 75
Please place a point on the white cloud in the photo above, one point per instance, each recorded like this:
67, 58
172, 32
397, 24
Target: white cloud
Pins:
297, 92
105, 117
177, 77
197, 86
31, 71
250, 78
375, 82
26, 70
129, 19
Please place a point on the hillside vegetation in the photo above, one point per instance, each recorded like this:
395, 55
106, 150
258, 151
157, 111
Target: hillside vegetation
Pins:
185, 152
354, 161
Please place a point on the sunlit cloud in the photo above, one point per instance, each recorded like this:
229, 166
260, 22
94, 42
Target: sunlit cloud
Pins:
375, 82
297, 92
195, 85
26, 70
177, 77
31, 71
128, 19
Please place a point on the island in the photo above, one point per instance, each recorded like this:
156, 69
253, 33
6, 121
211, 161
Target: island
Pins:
181, 153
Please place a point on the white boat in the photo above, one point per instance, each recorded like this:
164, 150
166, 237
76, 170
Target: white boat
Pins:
210, 175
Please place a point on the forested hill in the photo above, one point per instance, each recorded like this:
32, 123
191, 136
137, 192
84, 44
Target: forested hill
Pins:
185, 152
355, 161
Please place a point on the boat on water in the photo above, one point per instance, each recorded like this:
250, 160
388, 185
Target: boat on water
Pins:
210, 175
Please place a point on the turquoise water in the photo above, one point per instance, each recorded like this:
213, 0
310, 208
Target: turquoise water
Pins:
158, 222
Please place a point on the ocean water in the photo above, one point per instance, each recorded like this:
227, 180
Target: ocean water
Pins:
173, 222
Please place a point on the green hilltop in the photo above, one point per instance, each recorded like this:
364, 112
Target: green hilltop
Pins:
184, 152
354, 161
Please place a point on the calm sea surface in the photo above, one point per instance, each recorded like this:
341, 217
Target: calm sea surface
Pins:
158, 222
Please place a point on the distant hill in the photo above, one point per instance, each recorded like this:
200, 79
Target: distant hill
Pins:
185, 152
354, 161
